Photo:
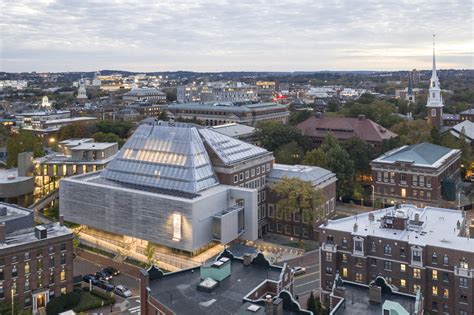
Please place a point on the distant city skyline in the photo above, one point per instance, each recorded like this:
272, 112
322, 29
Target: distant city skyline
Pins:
241, 35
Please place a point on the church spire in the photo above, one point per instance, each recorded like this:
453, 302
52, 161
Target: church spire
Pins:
433, 74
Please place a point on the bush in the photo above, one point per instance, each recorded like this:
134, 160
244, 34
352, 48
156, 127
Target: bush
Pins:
103, 295
63, 303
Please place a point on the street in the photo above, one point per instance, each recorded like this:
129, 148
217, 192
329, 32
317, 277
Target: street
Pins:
122, 306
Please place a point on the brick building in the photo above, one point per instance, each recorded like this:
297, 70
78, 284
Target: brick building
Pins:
411, 250
36, 262
417, 174
295, 225
318, 127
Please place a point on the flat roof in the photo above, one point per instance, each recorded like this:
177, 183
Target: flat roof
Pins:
93, 145
315, 174
74, 142
439, 227
357, 301
67, 120
234, 130
27, 236
178, 290
13, 212
11, 176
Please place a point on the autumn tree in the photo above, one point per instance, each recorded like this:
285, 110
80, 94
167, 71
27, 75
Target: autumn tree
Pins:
298, 196
149, 254
412, 131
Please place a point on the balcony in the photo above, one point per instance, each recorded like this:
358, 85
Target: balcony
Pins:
329, 247
463, 272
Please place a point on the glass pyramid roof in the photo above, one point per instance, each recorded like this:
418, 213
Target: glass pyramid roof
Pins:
163, 155
230, 150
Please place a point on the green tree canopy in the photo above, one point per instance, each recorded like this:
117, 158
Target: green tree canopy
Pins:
298, 196
361, 153
272, 135
332, 156
22, 142
380, 111
299, 116
412, 131
108, 137
290, 153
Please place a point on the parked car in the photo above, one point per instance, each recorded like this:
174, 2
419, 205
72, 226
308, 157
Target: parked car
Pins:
89, 278
105, 285
111, 271
123, 291
299, 270
103, 275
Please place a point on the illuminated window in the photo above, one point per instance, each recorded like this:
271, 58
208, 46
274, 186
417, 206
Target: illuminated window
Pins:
446, 293
359, 277
416, 273
434, 274
344, 272
463, 263
403, 283
27, 267
403, 267
176, 227
434, 290
63, 275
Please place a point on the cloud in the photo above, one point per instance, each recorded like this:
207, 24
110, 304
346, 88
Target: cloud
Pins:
221, 35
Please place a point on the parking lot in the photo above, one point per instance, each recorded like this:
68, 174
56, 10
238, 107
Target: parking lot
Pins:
125, 306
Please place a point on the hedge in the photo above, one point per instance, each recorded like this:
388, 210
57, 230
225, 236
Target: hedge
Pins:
63, 303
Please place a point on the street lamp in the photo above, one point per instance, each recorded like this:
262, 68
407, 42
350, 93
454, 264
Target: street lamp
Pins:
373, 196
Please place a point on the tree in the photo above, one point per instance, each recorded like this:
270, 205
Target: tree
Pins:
290, 153
312, 304
361, 153
298, 196
163, 116
332, 156
149, 254
108, 137
435, 136
412, 131
272, 135
299, 116
22, 142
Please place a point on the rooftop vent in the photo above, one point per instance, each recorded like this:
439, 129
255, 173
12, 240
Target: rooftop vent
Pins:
41, 232
361, 117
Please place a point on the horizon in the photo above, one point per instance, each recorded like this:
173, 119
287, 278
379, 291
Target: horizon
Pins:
243, 36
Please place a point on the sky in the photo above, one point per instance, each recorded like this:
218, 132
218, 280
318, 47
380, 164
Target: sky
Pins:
234, 35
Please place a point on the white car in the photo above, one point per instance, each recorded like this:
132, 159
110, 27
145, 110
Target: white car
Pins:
123, 291
299, 270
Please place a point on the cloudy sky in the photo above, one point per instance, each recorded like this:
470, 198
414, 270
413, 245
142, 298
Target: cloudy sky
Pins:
233, 35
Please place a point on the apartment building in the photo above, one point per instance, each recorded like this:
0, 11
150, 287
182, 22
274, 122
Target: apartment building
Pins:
411, 250
36, 262
421, 174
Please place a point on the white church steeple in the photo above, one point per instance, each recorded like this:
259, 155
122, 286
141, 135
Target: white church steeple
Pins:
435, 101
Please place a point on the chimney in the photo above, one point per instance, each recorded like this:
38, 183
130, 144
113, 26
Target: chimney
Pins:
268, 305
278, 306
247, 259
41, 232
144, 291
61, 219
375, 294
3, 232
361, 117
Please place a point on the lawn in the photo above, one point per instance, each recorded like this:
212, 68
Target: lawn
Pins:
88, 301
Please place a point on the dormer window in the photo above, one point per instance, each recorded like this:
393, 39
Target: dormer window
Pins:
463, 263
434, 258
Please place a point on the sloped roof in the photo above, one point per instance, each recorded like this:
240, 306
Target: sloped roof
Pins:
468, 129
230, 150
426, 154
166, 156
344, 128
